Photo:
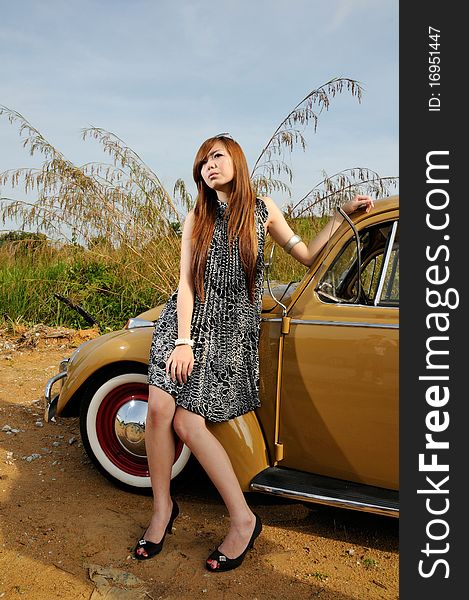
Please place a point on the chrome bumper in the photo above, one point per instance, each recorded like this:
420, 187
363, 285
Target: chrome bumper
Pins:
50, 399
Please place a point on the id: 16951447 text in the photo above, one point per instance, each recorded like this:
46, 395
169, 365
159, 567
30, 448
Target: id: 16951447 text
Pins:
434, 75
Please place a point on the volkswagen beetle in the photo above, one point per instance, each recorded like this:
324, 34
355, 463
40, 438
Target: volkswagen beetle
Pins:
327, 429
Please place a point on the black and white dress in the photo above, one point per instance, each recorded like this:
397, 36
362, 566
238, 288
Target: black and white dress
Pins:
224, 382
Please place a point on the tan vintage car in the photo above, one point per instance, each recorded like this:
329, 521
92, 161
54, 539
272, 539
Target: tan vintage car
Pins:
327, 430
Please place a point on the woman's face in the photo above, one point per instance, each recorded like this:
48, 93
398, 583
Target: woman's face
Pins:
217, 169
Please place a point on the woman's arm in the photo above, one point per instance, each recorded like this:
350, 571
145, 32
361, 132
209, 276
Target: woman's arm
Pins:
181, 360
281, 232
185, 299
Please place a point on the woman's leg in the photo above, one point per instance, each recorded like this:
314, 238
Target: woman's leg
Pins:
159, 444
192, 430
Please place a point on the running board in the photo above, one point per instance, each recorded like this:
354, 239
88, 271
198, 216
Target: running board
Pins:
307, 487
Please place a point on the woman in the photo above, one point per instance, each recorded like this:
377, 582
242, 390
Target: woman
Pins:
204, 363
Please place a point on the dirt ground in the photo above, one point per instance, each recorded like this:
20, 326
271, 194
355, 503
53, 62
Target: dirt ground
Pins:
66, 532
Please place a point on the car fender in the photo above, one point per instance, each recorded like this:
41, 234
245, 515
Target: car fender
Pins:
125, 345
244, 442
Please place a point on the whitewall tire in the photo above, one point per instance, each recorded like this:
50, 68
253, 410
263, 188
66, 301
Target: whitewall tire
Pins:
112, 424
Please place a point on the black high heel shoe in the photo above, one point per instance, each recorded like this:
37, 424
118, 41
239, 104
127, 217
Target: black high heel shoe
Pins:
151, 548
217, 561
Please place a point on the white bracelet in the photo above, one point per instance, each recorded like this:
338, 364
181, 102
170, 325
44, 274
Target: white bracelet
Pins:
291, 242
182, 341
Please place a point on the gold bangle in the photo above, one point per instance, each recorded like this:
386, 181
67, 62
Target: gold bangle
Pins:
291, 242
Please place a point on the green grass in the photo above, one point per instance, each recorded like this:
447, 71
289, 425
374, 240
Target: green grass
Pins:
369, 563
101, 287
320, 576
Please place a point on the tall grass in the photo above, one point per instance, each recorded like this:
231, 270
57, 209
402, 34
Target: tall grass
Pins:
106, 286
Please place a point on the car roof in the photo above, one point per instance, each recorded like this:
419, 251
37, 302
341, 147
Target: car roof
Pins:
385, 204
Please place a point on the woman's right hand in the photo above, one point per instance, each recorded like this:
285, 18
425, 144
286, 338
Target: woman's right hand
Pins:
180, 363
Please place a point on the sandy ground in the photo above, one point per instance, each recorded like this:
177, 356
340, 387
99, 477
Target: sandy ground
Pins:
66, 532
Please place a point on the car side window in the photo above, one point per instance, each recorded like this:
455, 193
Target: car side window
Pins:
379, 261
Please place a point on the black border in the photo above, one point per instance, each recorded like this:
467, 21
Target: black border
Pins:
422, 131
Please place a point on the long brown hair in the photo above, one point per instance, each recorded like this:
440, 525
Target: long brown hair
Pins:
240, 212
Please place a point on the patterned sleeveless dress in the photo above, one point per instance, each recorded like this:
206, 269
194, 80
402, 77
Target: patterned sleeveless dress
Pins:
224, 382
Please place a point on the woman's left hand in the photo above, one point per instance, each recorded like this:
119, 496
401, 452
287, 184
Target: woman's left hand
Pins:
358, 203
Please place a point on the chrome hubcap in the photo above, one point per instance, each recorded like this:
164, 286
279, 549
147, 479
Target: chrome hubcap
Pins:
130, 426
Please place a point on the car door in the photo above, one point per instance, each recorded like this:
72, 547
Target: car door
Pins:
339, 390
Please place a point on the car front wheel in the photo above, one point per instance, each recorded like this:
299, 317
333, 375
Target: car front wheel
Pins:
112, 426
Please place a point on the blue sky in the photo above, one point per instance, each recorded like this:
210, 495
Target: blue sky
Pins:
165, 75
